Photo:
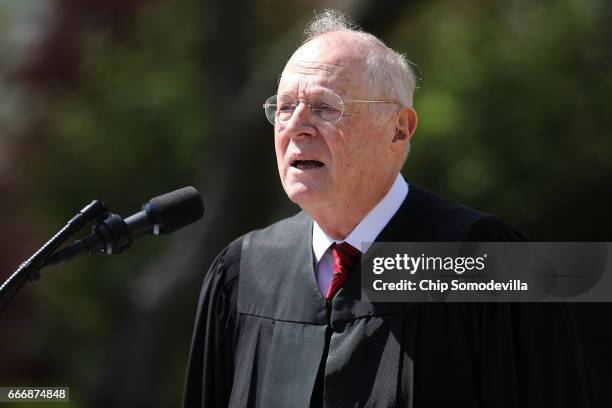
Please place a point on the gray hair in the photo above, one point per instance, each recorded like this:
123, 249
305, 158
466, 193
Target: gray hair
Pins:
389, 73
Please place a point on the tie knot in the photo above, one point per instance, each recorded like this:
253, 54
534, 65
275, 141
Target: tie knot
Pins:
345, 255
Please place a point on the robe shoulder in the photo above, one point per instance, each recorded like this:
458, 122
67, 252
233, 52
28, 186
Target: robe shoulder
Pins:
425, 216
492, 229
223, 275
214, 342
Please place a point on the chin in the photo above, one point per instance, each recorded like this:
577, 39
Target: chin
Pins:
299, 194
302, 194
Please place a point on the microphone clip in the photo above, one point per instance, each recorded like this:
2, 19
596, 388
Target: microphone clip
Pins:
113, 232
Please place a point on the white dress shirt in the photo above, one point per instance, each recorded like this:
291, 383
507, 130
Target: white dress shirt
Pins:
362, 235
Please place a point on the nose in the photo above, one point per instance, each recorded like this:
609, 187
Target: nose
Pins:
302, 121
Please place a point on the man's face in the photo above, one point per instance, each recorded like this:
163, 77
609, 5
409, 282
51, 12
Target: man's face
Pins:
331, 165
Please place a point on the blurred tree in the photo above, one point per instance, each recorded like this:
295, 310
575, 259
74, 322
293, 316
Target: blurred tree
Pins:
512, 108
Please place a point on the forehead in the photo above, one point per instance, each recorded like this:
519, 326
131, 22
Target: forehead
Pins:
329, 62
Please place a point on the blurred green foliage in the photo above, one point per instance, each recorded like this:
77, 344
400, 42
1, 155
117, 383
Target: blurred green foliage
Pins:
133, 127
512, 109
138, 110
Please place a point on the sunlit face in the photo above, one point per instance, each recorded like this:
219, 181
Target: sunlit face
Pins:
331, 165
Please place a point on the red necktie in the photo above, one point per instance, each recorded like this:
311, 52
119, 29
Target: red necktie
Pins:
345, 255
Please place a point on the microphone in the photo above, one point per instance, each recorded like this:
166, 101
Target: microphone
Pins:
113, 234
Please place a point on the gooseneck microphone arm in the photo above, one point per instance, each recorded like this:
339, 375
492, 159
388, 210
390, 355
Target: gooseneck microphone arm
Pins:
111, 234
29, 270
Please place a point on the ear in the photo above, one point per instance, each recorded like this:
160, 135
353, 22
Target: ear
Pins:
406, 125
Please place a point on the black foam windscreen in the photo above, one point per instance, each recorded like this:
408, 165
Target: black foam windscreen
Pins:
176, 209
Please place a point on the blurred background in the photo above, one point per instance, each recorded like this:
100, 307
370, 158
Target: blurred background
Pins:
123, 100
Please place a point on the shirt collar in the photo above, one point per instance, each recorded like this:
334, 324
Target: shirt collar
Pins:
370, 226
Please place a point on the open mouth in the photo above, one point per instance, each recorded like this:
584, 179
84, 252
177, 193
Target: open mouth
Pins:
306, 164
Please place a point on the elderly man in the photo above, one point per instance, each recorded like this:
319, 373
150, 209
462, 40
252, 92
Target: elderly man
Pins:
282, 321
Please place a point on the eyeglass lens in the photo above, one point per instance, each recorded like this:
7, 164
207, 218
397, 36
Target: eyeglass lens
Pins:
326, 106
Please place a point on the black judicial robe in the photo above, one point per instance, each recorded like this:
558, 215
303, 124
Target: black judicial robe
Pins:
264, 336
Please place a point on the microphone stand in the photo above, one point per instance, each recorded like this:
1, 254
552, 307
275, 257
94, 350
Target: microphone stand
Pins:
30, 269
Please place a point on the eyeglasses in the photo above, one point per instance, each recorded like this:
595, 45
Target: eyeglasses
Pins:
327, 106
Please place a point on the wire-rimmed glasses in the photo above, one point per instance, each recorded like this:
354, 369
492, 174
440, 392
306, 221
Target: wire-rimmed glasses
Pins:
326, 106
